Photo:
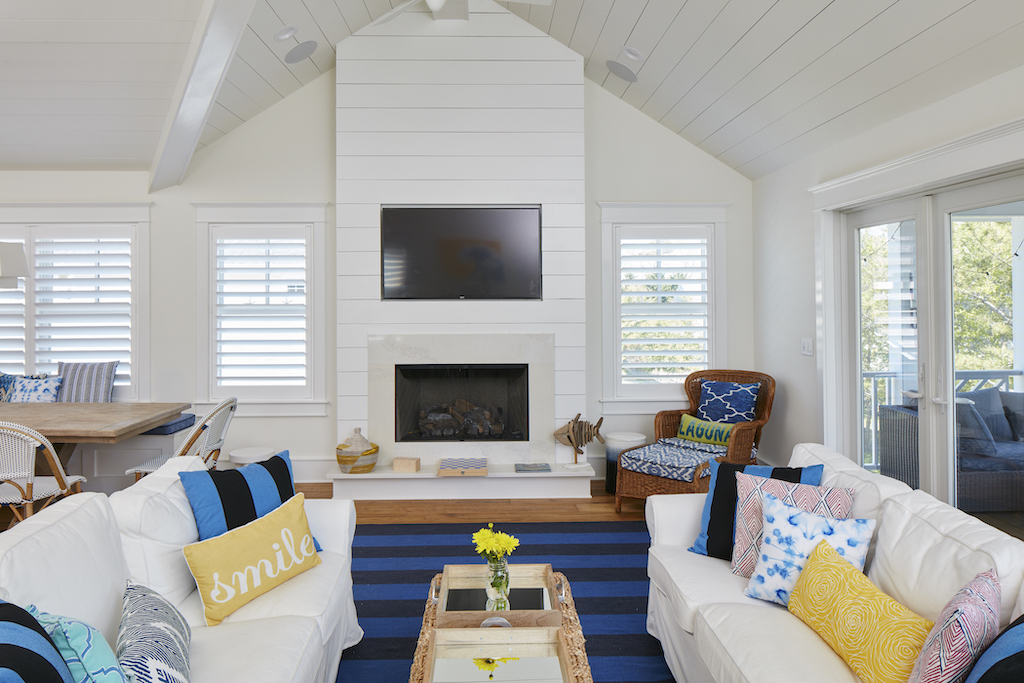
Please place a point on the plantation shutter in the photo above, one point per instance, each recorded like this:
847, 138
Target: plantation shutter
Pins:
12, 327
261, 314
664, 305
82, 298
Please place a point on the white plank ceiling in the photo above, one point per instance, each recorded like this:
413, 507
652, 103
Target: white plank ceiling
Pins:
756, 83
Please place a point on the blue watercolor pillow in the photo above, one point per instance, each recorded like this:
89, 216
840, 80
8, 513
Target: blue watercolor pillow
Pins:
26, 390
790, 536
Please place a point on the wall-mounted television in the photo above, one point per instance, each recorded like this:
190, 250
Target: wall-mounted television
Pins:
460, 252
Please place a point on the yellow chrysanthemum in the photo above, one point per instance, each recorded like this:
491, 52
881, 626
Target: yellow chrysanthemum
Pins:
494, 544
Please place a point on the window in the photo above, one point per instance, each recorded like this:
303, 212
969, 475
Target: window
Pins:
263, 336
85, 297
663, 264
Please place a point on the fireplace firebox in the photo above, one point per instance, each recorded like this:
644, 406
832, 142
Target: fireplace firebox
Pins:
462, 402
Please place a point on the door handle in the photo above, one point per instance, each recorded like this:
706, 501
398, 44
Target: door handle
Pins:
912, 394
940, 401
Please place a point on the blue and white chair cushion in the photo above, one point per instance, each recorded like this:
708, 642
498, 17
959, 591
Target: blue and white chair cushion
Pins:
672, 458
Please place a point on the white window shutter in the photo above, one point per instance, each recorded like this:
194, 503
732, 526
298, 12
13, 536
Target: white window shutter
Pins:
664, 308
82, 301
261, 314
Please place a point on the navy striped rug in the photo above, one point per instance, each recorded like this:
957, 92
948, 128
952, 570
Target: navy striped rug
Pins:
605, 562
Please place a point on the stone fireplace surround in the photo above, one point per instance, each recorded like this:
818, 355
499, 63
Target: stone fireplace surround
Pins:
535, 350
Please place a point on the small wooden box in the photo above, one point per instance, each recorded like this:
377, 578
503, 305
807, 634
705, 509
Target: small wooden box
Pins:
405, 464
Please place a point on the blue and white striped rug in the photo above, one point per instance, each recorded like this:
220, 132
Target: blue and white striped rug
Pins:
605, 562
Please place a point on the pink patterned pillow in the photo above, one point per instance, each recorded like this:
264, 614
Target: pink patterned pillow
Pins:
968, 623
820, 500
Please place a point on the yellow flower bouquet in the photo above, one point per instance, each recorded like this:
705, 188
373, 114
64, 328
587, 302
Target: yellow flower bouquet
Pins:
495, 547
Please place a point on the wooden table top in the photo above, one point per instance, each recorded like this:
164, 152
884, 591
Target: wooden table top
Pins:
90, 422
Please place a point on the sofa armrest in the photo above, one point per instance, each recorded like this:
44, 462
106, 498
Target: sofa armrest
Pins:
674, 519
333, 523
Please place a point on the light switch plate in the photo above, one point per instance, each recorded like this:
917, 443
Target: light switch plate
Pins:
807, 346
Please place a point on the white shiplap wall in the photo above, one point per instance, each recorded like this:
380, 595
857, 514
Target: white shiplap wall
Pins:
488, 111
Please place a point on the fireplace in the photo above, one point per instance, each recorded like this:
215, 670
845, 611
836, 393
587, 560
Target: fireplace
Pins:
479, 402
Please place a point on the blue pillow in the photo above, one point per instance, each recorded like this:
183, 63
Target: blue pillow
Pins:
1003, 660
84, 649
26, 652
974, 437
153, 638
990, 407
727, 401
718, 520
225, 500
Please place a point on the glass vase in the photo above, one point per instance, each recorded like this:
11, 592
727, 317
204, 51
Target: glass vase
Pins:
497, 585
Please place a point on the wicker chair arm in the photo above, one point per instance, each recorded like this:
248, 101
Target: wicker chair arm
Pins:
666, 423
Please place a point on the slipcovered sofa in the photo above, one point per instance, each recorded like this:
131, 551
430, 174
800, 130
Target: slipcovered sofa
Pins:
75, 557
923, 552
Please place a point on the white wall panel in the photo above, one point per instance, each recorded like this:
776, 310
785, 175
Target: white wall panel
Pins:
487, 111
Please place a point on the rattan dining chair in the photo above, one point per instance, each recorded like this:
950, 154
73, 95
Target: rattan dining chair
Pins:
20, 488
744, 437
205, 440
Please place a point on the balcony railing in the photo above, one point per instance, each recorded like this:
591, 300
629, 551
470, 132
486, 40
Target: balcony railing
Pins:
881, 389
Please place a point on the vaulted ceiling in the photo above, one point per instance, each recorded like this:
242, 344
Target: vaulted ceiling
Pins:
142, 84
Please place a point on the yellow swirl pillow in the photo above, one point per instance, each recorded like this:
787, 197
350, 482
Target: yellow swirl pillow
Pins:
692, 429
244, 563
878, 637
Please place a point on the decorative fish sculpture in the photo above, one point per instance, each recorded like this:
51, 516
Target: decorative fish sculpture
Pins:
577, 434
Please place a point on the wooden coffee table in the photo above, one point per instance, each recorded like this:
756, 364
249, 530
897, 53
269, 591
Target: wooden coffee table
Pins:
547, 642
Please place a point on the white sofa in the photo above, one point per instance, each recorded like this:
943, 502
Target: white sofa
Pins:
74, 558
924, 552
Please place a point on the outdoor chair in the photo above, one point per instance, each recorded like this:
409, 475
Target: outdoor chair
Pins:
20, 488
745, 436
205, 440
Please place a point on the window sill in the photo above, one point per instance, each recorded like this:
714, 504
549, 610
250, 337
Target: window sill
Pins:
641, 406
256, 408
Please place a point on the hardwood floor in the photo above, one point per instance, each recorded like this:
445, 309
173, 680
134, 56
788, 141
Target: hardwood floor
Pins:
599, 508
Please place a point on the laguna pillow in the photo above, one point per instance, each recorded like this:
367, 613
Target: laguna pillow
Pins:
968, 623
878, 637
693, 429
228, 499
819, 500
727, 401
240, 565
790, 536
153, 639
27, 654
83, 648
718, 519
25, 390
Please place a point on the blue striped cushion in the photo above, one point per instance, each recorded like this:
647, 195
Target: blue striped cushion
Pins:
86, 382
1003, 660
225, 500
26, 653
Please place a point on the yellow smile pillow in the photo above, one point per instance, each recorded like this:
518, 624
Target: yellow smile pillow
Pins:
244, 563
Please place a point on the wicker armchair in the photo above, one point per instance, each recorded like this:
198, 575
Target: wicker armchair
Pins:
744, 436
20, 488
205, 439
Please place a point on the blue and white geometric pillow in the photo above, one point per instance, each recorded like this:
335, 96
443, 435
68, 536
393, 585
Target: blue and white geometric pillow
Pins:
153, 639
25, 390
790, 536
727, 401
84, 649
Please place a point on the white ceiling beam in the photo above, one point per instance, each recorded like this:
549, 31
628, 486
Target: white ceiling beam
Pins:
219, 28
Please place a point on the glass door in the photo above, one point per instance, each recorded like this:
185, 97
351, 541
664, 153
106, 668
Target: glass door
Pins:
986, 257
888, 348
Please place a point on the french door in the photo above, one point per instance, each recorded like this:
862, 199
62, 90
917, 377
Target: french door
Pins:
939, 376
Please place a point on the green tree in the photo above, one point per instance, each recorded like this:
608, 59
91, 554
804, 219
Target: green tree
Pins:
982, 295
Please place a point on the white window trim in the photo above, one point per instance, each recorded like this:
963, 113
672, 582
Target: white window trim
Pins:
128, 213
683, 214
250, 213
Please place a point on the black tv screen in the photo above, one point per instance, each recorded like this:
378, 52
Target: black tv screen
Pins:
461, 252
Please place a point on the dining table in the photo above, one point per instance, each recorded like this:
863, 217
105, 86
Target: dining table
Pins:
68, 424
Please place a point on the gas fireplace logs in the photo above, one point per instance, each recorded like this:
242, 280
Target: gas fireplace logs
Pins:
461, 419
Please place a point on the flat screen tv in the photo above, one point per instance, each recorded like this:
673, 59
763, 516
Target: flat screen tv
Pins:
460, 252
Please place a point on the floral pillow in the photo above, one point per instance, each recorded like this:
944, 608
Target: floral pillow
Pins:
25, 390
790, 535
7, 384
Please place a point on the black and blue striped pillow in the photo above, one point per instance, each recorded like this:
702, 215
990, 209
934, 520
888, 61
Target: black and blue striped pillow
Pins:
227, 499
26, 651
